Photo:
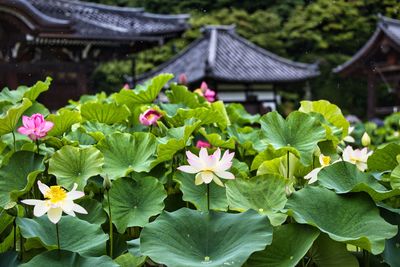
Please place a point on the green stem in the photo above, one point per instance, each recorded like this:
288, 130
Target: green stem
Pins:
110, 225
37, 145
208, 197
21, 245
287, 166
15, 233
366, 258
14, 142
58, 238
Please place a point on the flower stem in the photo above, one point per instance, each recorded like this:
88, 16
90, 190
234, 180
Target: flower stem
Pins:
14, 142
110, 225
287, 167
208, 197
366, 258
58, 238
37, 145
15, 233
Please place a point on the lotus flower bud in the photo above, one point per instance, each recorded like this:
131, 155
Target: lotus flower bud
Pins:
365, 140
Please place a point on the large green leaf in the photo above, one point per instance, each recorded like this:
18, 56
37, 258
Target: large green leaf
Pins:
129, 260
133, 202
143, 94
179, 94
175, 140
34, 91
99, 130
331, 113
63, 121
9, 119
75, 235
108, 113
290, 243
384, 159
67, 258
18, 176
216, 113
395, 178
96, 214
124, 153
238, 114
328, 253
75, 165
352, 219
344, 177
250, 139
193, 238
299, 131
9, 259
268, 154
197, 194
265, 194
217, 140
391, 254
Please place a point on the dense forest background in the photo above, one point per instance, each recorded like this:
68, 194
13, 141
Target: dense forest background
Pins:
326, 31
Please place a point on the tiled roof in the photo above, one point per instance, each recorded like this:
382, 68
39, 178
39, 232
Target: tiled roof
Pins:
91, 21
222, 55
387, 27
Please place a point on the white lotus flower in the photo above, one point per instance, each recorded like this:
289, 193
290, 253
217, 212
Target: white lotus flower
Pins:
209, 167
324, 161
56, 201
358, 157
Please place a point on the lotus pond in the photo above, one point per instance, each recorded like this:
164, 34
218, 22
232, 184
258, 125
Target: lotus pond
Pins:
125, 180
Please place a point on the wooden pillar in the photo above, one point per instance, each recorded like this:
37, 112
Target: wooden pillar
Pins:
82, 79
371, 101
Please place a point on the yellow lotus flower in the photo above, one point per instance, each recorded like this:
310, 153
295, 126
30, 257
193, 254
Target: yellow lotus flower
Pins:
56, 201
312, 176
209, 167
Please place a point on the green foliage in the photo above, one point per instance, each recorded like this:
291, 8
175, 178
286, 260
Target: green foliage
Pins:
134, 202
334, 214
217, 238
79, 236
142, 211
291, 242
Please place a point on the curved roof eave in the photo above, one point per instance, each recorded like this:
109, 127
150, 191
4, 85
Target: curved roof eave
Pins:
274, 56
162, 66
381, 29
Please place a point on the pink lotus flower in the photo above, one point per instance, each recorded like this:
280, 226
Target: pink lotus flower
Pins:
182, 79
202, 143
35, 126
209, 167
149, 117
206, 92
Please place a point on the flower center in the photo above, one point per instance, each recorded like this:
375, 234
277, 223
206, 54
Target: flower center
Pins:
325, 160
355, 159
150, 117
56, 194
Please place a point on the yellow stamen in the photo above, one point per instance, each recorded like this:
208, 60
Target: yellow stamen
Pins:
56, 194
325, 160
199, 91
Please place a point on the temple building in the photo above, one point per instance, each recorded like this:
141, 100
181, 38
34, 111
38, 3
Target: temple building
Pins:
378, 61
237, 69
67, 39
